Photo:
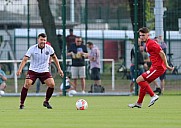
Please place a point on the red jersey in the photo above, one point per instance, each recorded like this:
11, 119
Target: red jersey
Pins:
153, 48
48, 43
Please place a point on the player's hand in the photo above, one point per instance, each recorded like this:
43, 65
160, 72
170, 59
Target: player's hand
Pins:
61, 73
18, 73
170, 68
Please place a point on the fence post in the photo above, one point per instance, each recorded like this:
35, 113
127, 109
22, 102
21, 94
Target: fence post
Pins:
15, 77
113, 77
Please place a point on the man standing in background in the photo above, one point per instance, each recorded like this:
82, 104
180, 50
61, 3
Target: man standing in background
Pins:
160, 89
70, 39
78, 53
94, 57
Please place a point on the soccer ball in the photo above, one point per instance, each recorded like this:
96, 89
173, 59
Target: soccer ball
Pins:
2, 92
81, 104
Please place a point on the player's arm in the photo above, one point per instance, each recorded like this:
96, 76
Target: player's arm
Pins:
70, 51
4, 78
164, 58
23, 62
71, 83
55, 59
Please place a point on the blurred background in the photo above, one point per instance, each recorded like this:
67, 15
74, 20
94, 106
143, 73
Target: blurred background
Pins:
110, 24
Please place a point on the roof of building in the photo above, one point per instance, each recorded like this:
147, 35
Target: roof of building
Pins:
11, 20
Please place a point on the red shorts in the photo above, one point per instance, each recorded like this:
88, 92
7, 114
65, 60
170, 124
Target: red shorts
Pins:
153, 73
34, 75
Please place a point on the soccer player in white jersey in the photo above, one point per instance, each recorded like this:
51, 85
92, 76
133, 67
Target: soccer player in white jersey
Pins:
40, 55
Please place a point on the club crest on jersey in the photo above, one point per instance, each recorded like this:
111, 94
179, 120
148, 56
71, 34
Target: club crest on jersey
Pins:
148, 72
47, 53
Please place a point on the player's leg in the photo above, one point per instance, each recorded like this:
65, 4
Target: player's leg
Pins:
138, 104
143, 81
150, 76
3, 86
51, 84
24, 91
144, 85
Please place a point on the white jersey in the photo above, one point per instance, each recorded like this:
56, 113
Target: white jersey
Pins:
39, 58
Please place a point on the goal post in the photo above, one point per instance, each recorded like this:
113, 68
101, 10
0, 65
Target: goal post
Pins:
112, 71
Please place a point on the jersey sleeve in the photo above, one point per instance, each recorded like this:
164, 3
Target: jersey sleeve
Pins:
51, 50
29, 52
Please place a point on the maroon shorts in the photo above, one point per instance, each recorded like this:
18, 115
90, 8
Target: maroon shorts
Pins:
153, 73
34, 75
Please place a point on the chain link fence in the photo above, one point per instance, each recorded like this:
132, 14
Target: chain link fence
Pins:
107, 23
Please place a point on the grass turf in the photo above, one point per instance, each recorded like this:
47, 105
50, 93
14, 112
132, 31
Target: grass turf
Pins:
103, 112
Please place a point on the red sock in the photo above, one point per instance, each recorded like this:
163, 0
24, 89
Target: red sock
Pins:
24, 92
49, 93
141, 96
146, 87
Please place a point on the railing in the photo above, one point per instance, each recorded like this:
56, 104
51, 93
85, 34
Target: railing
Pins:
15, 66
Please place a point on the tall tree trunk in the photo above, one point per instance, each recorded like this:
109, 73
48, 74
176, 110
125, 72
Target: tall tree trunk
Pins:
49, 25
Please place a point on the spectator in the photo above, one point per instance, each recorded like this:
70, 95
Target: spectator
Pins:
3, 79
140, 62
70, 39
77, 52
40, 55
60, 41
69, 86
160, 89
94, 57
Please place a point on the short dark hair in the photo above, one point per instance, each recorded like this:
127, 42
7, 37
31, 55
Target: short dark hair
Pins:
71, 30
89, 43
143, 30
42, 35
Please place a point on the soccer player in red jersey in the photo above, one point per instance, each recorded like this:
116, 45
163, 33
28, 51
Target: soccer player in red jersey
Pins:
158, 67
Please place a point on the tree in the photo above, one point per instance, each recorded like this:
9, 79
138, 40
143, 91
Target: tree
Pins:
49, 25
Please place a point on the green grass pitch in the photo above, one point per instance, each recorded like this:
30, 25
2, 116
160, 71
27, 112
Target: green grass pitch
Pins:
103, 112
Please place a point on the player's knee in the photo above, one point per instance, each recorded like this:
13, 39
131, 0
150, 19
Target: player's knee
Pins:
27, 85
139, 79
51, 85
